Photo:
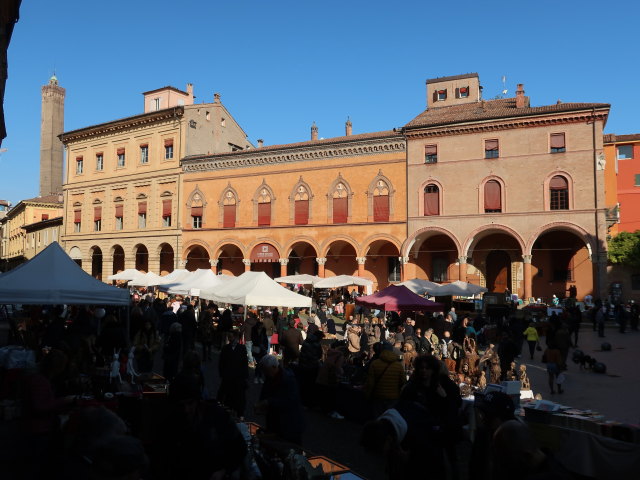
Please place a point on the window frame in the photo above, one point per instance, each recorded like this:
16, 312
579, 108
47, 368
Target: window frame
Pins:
142, 220
557, 198
168, 152
629, 146
121, 162
119, 223
196, 222
442, 92
79, 166
144, 154
562, 149
77, 227
430, 159
99, 162
97, 225
489, 154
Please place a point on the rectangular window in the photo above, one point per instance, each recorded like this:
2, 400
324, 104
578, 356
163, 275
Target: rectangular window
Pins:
79, 165
442, 95
119, 223
99, 162
76, 227
394, 269
229, 216
121, 158
45, 216
156, 104
166, 213
119, 217
77, 220
196, 217
340, 210
625, 152
168, 149
462, 92
491, 149
430, 154
557, 143
637, 182
97, 219
264, 214
142, 220
144, 154
97, 225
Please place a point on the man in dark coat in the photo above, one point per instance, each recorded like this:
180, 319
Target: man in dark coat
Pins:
291, 341
189, 328
234, 373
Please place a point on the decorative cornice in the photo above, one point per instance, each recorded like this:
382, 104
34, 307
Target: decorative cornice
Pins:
255, 158
122, 124
493, 125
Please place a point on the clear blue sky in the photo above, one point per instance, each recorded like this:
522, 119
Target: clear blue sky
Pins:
280, 65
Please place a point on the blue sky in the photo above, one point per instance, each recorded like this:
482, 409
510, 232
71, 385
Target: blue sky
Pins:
280, 65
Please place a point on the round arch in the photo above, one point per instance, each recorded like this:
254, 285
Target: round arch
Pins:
503, 193
374, 238
191, 244
441, 203
95, 253
197, 257
546, 194
561, 226
326, 245
141, 254
116, 252
302, 239
166, 254
411, 240
479, 233
270, 241
229, 241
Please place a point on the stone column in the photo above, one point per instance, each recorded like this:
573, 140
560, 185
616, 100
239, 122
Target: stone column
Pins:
283, 266
403, 269
107, 268
528, 279
182, 264
153, 262
462, 268
321, 261
361, 261
129, 261
214, 266
247, 264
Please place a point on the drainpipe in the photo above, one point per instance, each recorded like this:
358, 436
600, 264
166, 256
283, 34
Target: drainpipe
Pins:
595, 201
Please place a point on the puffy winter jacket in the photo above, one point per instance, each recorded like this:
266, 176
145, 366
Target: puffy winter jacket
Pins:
385, 378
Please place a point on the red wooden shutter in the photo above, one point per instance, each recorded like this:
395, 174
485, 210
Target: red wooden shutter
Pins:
558, 183
381, 208
119, 210
264, 214
168, 142
166, 208
457, 93
432, 202
340, 210
142, 207
435, 96
430, 149
196, 211
120, 151
45, 216
97, 214
301, 216
557, 140
492, 197
229, 217
77, 216
490, 145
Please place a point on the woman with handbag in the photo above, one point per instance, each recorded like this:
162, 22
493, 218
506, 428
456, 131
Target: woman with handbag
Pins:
532, 337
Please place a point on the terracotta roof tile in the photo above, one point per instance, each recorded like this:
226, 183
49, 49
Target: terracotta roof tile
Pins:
45, 199
453, 77
613, 138
489, 110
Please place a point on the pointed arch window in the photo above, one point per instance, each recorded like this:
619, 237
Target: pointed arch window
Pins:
431, 200
559, 193
381, 201
229, 205
301, 206
196, 207
264, 208
492, 197
340, 204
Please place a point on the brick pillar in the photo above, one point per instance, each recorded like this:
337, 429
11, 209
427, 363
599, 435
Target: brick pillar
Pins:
321, 261
404, 276
462, 269
153, 262
361, 261
107, 269
214, 266
528, 279
283, 266
247, 264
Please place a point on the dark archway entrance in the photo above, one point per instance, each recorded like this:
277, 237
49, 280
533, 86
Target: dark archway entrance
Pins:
498, 271
142, 259
197, 258
118, 259
96, 263
302, 259
167, 260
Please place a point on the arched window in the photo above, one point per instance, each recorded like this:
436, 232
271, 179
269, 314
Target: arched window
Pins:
381, 202
264, 208
301, 206
559, 193
229, 205
492, 197
196, 206
340, 203
431, 200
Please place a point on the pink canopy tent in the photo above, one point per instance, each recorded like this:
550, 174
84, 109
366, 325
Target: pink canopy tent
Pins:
399, 298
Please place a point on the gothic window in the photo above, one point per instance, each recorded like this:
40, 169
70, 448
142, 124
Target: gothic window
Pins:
229, 205
381, 202
301, 206
340, 202
264, 207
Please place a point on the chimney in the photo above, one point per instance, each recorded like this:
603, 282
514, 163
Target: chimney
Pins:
348, 127
520, 100
190, 90
216, 98
314, 132
260, 143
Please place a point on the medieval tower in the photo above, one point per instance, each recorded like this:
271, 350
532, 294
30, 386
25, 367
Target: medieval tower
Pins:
51, 149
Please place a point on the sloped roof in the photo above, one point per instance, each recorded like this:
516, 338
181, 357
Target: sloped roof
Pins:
490, 110
45, 199
452, 77
613, 138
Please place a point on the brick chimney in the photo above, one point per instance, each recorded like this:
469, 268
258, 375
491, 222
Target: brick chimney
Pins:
190, 91
260, 143
216, 97
348, 127
314, 132
520, 100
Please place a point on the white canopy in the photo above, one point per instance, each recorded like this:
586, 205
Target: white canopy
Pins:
420, 286
178, 275
201, 279
343, 281
128, 274
300, 279
145, 280
460, 289
255, 288
53, 278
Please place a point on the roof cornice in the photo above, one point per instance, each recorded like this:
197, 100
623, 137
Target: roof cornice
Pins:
324, 151
506, 123
121, 124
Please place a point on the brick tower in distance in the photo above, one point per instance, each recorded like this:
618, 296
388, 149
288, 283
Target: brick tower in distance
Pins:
51, 149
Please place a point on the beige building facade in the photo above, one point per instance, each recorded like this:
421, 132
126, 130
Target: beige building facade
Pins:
122, 189
40, 235
506, 195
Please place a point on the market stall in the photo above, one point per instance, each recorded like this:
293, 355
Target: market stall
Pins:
399, 298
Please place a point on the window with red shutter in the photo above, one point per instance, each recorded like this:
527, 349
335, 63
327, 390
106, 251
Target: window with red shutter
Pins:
264, 214
301, 216
431, 200
340, 210
492, 197
381, 208
229, 216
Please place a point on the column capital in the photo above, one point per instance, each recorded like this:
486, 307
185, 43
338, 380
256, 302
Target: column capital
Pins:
213, 262
463, 259
403, 260
246, 261
182, 263
321, 260
284, 261
361, 260
526, 258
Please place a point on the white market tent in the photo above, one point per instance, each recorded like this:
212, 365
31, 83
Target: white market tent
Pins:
53, 278
128, 274
178, 275
145, 280
201, 279
300, 279
421, 287
257, 289
343, 281
460, 289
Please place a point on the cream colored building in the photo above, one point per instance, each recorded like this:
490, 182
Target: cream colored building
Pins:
40, 235
504, 194
122, 189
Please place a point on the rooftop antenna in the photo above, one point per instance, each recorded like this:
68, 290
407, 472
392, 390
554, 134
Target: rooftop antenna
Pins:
504, 84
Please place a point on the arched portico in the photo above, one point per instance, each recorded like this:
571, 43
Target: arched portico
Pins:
382, 263
230, 258
167, 259
142, 258
96, 262
301, 259
432, 254
197, 258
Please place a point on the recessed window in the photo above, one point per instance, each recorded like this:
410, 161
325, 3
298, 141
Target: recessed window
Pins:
492, 197
97, 219
156, 103
625, 152
557, 143
208, 115
77, 220
223, 122
144, 153
121, 158
44, 216
99, 162
462, 92
559, 193
166, 213
119, 217
79, 165
637, 182
142, 214
168, 149
229, 210
442, 95
430, 154
97, 225
381, 202
431, 200
491, 149
196, 216
340, 204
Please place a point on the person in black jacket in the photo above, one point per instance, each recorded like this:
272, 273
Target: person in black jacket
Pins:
233, 367
172, 351
189, 327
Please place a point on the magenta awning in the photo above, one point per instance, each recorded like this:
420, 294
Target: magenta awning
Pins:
399, 298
